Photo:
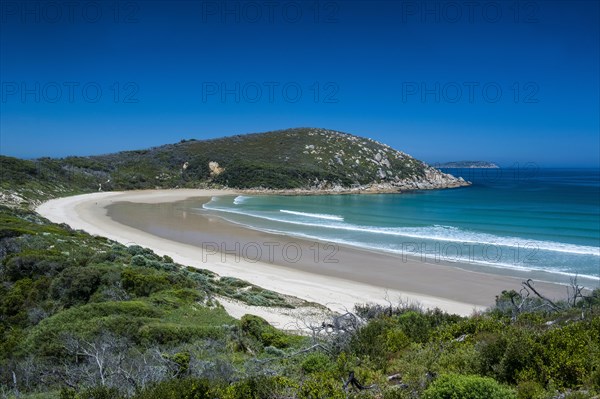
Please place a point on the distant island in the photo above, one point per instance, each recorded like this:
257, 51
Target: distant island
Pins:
468, 164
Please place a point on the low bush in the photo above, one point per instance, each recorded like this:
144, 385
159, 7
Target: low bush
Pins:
264, 333
260, 388
455, 386
188, 388
75, 285
316, 362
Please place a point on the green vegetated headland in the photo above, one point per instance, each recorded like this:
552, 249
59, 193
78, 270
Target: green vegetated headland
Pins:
85, 317
302, 158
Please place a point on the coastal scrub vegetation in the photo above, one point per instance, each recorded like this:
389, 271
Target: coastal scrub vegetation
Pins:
84, 317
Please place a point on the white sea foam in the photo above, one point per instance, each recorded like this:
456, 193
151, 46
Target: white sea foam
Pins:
358, 244
313, 215
240, 199
436, 232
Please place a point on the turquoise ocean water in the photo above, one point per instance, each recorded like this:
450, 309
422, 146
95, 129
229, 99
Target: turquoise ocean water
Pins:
526, 218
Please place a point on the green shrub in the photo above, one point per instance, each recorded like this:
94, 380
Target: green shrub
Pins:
470, 326
233, 282
461, 358
415, 325
121, 318
456, 386
530, 390
18, 298
594, 379
396, 340
373, 341
176, 297
144, 282
98, 392
134, 250
396, 392
271, 350
182, 360
321, 386
188, 388
491, 348
520, 356
260, 388
75, 285
159, 265
267, 335
316, 362
32, 264
138, 260
171, 333
568, 353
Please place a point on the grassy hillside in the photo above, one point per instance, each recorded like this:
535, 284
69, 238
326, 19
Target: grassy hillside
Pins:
67, 298
290, 158
28, 182
304, 158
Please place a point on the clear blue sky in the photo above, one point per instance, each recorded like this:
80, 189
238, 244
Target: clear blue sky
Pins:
422, 76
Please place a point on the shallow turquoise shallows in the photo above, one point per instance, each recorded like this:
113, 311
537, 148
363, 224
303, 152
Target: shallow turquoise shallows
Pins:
526, 218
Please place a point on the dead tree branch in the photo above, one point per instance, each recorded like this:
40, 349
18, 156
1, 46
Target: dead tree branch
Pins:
529, 286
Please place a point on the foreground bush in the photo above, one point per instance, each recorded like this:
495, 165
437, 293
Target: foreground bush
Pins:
259, 388
91, 393
454, 386
82, 317
189, 388
260, 330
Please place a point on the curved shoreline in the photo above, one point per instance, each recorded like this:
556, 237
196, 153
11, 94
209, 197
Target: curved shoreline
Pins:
329, 287
478, 266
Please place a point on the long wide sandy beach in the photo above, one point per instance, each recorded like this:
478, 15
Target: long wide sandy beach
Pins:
337, 278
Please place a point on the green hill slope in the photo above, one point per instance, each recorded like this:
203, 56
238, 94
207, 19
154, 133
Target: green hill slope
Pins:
302, 158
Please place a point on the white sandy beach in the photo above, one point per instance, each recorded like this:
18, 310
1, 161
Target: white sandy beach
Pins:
88, 212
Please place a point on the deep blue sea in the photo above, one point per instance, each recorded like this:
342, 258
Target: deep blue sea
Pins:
525, 218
